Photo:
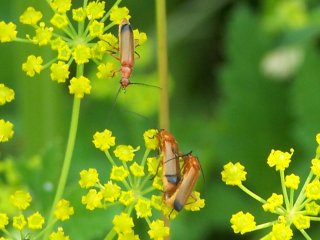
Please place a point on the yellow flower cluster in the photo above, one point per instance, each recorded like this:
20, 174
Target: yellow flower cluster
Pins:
77, 35
292, 211
6, 127
27, 223
129, 185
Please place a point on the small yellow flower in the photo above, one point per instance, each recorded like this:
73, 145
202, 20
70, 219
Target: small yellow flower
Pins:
150, 139
95, 10
242, 222
30, 16
194, 205
59, 20
301, 221
318, 138
59, 72
92, 200
315, 168
128, 236
97, 51
292, 181
313, 190
103, 140
79, 86
156, 201
233, 174
168, 211
6, 131
64, 52
61, 6
143, 208
122, 223
32, 65
126, 198
35, 221
6, 94
63, 210
276, 200
280, 231
7, 31
58, 235
21, 199
110, 42
118, 14
111, 192
81, 54
139, 37
279, 159
118, 173
137, 170
78, 14
43, 35
157, 183
57, 43
125, 152
88, 178
106, 70
4, 220
19, 222
158, 230
96, 28
312, 208
153, 165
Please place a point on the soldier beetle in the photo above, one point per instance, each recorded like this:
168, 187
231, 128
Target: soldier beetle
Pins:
168, 147
186, 185
126, 49
126, 57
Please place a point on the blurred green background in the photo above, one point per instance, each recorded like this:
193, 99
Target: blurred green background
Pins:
244, 78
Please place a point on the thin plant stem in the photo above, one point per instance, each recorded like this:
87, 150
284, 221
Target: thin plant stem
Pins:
163, 72
68, 154
162, 63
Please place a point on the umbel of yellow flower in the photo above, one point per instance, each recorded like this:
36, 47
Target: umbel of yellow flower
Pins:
103, 140
6, 94
58, 235
79, 86
242, 222
32, 65
35, 221
279, 159
21, 199
129, 184
63, 210
233, 174
4, 220
7, 31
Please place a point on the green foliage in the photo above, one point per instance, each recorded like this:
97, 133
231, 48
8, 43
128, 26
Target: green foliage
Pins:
253, 116
304, 97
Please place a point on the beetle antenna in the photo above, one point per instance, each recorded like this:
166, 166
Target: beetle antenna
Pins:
114, 104
145, 84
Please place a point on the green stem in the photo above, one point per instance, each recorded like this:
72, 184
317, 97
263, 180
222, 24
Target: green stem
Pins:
162, 63
143, 162
251, 194
302, 195
284, 190
110, 235
163, 73
68, 154
306, 236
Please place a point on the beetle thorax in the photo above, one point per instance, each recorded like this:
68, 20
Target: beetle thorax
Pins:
126, 72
